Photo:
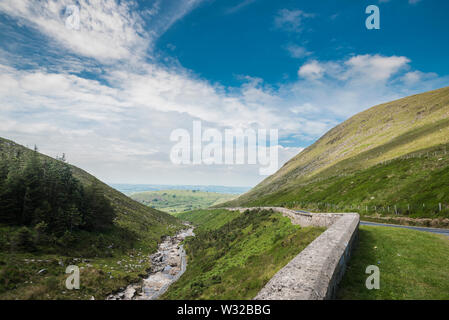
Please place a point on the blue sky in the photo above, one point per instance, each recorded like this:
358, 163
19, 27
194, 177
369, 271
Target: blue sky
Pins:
247, 41
110, 93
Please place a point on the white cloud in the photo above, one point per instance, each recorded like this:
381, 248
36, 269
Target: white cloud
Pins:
170, 12
291, 20
363, 68
239, 6
108, 30
298, 51
344, 87
306, 108
375, 67
414, 77
119, 129
311, 70
409, 1
130, 122
127, 124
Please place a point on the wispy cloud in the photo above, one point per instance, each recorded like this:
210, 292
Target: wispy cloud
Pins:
409, 1
109, 30
311, 71
291, 20
297, 51
239, 6
117, 123
344, 87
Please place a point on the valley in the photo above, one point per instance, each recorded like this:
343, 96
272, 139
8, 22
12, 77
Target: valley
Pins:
176, 201
234, 254
33, 259
389, 164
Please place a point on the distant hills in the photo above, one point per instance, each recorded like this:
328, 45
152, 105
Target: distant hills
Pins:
175, 201
129, 189
390, 159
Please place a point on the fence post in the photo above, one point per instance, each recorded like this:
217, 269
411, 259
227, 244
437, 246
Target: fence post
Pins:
439, 206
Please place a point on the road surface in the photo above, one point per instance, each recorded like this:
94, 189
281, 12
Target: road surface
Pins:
432, 230
376, 224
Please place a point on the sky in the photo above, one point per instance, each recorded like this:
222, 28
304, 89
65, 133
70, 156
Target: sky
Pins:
110, 91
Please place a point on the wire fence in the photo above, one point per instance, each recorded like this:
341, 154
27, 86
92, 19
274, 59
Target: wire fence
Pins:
438, 155
396, 209
417, 155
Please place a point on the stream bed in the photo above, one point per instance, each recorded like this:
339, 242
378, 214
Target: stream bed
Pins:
167, 266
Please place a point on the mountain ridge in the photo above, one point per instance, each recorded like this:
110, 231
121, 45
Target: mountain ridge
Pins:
377, 135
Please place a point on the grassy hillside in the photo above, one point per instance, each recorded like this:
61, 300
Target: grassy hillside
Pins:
233, 254
175, 201
108, 259
209, 219
394, 154
412, 264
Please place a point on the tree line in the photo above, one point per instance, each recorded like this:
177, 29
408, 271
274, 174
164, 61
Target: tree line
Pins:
44, 194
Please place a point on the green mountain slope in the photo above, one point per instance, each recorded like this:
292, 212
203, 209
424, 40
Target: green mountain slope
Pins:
393, 154
175, 201
234, 254
132, 215
109, 259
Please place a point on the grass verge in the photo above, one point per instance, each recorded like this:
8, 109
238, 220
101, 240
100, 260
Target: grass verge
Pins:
413, 265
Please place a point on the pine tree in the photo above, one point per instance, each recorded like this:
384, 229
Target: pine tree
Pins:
11, 198
24, 240
45, 193
3, 169
32, 174
74, 218
99, 213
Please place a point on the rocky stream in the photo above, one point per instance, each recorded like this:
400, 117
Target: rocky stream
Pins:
167, 265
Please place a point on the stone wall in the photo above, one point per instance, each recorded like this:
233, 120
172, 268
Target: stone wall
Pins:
315, 272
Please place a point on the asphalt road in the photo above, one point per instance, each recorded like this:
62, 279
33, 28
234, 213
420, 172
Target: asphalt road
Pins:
376, 224
432, 230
